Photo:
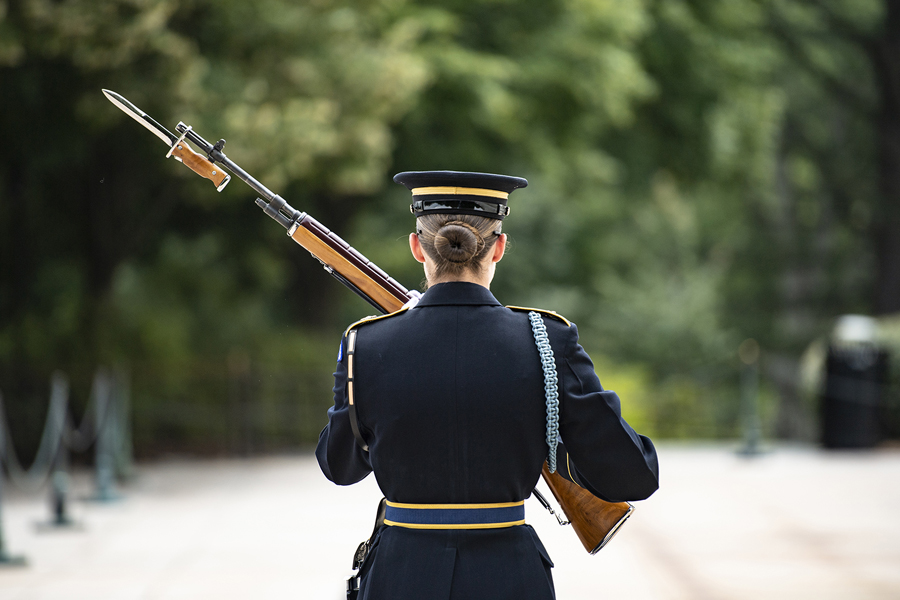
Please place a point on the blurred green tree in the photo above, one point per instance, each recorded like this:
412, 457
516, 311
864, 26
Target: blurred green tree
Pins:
701, 172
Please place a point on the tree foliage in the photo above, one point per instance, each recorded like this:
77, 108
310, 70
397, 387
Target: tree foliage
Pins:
701, 172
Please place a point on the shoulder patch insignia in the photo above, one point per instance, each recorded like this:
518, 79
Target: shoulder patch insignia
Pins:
373, 318
549, 313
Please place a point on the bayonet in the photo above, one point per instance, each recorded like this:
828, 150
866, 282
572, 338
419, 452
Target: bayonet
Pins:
178, 147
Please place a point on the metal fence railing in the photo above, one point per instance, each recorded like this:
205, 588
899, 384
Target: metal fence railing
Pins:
105, 425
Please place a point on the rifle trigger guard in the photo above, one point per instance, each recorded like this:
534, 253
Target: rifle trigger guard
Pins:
181, 139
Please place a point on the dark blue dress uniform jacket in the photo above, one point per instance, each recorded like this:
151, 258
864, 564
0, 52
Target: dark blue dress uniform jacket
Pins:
450, 399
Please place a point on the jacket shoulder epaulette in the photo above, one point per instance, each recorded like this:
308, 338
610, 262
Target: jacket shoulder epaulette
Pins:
373, 318
549, 313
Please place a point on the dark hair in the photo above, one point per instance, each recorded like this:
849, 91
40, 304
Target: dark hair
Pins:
456, 243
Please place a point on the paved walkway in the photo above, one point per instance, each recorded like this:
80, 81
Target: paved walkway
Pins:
795, 523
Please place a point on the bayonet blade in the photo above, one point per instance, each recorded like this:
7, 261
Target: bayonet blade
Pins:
141, 117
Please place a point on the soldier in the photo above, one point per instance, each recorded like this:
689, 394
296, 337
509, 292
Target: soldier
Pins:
448, 405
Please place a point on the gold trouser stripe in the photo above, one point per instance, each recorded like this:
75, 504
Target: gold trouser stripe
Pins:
495, 505
459, 191
453, 526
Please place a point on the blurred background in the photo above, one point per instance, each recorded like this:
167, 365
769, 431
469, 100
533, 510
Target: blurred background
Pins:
701, 173
712, 186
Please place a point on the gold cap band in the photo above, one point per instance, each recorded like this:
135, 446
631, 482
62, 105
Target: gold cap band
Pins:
459, 191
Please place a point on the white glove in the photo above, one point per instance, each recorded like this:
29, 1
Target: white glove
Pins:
414, 300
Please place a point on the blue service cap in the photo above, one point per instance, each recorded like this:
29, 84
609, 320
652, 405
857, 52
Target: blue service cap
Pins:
459, 192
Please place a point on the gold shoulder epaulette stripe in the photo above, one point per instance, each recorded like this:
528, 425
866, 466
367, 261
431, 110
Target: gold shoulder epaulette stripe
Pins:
372, 318
543, 312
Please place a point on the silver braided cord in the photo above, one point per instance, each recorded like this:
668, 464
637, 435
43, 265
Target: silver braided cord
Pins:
551, 389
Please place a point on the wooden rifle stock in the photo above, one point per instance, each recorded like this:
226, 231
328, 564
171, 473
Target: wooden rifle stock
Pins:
595, 521
349, 266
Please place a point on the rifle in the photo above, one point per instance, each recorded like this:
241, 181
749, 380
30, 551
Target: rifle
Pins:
595, 521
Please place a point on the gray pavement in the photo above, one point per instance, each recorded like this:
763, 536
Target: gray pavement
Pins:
795, 523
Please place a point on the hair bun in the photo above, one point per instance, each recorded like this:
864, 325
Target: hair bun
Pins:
458, 242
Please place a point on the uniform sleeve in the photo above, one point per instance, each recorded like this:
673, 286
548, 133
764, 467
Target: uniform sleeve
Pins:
340, 457
602, 453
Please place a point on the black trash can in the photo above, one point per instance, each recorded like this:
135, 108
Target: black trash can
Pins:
852, 401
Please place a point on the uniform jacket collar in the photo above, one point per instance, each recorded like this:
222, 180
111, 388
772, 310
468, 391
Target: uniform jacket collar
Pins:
457, 293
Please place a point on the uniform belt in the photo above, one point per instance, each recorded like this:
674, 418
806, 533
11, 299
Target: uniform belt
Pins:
455, 516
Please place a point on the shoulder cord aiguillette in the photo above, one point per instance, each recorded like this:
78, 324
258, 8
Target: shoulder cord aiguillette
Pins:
550, 385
